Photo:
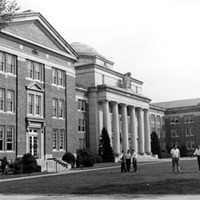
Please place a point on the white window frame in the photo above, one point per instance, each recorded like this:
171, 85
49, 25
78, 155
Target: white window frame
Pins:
41, 106
9, 140
10, 102
2, 100
35, 70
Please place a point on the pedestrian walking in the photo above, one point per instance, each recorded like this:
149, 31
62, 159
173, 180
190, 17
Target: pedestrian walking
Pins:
128, 160
134, 160
175, 153
197, 153
123, 162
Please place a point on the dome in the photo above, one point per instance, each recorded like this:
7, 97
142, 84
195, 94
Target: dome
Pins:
83, 49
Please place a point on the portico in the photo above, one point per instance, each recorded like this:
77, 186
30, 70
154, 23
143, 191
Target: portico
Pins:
127, 126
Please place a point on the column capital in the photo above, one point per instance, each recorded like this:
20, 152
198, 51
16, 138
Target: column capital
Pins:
103, 101
114, 102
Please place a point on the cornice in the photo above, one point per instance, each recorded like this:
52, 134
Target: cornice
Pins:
94, 65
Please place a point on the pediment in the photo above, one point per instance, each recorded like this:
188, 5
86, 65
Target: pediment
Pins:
35, 86
34, 28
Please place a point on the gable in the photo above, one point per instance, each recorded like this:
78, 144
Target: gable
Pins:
34, 31
35, 86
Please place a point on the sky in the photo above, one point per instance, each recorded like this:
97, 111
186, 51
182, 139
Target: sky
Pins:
158, 41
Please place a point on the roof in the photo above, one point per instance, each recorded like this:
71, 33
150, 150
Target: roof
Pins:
86, 50
38, 32
178, 103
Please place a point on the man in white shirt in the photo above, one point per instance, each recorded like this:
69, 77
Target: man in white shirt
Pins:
197, 153
175, 153
134, 160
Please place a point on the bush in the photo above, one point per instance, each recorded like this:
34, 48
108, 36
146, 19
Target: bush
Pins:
17, 166
4, 162
105, 149
85, 158
29, 163
69, 158
97, 158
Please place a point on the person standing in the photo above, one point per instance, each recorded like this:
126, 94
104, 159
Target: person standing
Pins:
128, 160
134, 160
175, 153
197, 153
123, 162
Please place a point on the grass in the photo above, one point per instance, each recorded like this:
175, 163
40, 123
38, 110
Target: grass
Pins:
154, 178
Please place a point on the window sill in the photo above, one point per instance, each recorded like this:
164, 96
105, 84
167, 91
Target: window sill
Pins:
58, 86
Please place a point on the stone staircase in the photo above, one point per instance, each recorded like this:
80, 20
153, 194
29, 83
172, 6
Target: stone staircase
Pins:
53, 165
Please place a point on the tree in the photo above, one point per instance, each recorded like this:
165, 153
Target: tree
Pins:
7, 10
105, 149
155, 144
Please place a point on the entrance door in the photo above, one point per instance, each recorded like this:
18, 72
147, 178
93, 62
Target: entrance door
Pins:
33, 143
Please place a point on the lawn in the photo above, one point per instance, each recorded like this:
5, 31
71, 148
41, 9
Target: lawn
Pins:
154, 178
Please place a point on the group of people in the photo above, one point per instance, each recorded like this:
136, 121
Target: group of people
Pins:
175, 154
126, 159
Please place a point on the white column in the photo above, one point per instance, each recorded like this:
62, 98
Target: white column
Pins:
106, 118
141, 131
125, 142
133, 129
147, 132
116, 136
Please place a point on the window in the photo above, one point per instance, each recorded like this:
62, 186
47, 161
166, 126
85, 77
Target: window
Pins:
61, 108
35, 104
54, 76
61, 139
2, 99
7, 63
190, 144
188, 118
58, 77
9, 138
10, 63
189, 132
35, 70
174, 143
30, 70
55, 107
38, 105
61, 78
31, 103
174, 120
81, 125
55, 133
10, 101
1, 137
174, 133
2, 63
81, 105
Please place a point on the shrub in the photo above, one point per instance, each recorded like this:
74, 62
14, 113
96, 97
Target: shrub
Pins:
85, 158
4, 162
105, 149
97, 158
29, 163
17, 166
69, 158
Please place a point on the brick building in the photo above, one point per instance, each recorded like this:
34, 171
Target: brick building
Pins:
182, 123
37, 89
